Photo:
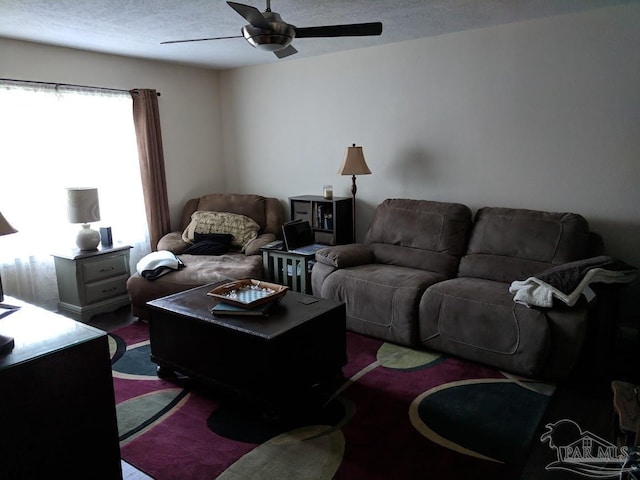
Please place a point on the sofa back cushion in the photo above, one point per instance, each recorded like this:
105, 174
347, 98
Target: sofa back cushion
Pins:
509, 244
267, 212
421, 234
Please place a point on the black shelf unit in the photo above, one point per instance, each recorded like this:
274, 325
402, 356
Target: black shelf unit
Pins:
331, 219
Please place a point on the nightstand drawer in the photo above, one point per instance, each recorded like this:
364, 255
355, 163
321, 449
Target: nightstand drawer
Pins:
104, 289
105, 267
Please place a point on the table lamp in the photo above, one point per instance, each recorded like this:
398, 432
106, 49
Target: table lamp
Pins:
83, 207
354, 164
6, 343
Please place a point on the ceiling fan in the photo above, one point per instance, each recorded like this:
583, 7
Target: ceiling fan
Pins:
267, 31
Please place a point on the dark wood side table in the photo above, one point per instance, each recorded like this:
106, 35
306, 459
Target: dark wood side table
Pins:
57, 407
288, 268
331, 219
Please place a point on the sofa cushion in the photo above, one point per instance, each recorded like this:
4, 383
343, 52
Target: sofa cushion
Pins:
420, 234
381, 300
266, 211
513, 244
478, 320
252, 206
199, 270
243, 228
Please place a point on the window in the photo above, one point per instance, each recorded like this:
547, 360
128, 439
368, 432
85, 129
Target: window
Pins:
57, 137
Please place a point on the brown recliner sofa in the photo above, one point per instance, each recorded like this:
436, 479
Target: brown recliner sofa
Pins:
428, 276
237, 263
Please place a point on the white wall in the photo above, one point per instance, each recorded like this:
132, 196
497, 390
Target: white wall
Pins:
543, 114
189, 106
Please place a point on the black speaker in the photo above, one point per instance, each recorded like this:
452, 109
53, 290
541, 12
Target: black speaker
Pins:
105, 236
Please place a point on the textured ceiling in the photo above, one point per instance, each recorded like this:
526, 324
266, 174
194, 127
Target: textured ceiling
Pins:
136, 27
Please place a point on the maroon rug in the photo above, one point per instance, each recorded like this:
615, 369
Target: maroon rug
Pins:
402, 414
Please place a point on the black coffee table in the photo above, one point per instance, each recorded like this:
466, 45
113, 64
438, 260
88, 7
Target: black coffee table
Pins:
275, 360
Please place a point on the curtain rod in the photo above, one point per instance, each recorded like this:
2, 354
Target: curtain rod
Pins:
69, 85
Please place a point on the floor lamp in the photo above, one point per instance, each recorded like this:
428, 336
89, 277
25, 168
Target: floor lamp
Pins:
6, 343
354, 164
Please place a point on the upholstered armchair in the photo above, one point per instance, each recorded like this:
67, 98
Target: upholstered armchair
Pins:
250, 221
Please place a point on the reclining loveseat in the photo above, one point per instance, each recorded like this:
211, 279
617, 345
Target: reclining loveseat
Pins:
258, 218
428, 275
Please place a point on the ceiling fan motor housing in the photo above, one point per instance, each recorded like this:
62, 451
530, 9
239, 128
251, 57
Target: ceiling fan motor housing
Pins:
278, 36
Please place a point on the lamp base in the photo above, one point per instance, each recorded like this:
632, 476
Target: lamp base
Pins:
87, 238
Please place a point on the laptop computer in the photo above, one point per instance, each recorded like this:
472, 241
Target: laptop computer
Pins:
298, 238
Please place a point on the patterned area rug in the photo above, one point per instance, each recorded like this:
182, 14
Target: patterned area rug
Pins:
399, 413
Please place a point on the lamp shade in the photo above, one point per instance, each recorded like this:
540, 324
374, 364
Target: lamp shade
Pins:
6, 343
353, 162
83, 205
5, 228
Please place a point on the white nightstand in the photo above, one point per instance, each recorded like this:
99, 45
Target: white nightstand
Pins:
92, 281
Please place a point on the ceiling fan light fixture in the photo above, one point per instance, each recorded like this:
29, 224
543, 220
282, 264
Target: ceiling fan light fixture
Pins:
269, 40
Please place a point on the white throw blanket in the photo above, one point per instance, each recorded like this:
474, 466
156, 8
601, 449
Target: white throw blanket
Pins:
567, 282
157, 264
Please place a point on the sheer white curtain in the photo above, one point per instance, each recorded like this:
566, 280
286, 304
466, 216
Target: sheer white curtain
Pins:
57, 137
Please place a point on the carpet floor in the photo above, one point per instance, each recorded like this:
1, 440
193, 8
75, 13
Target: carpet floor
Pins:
398, 414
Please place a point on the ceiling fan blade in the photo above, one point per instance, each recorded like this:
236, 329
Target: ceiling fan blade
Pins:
353, 30
251, 14
200, 39
285, 52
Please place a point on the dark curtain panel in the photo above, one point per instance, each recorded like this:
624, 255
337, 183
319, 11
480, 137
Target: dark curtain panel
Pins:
146, 118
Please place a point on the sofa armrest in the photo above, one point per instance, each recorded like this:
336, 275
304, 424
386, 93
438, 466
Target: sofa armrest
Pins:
319, 274
568, 328
345, 256
253, 246
173, 242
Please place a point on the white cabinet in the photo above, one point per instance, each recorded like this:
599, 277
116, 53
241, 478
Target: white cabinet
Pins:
92, 281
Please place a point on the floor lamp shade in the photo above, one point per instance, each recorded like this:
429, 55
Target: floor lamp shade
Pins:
83, 207
354, 164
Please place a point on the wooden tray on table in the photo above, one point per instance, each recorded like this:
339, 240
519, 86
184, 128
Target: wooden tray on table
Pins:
248, 293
